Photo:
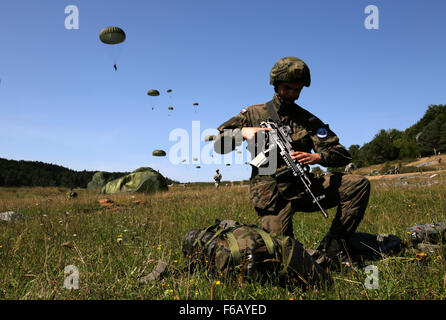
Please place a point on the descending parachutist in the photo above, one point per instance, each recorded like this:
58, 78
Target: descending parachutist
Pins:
116, 68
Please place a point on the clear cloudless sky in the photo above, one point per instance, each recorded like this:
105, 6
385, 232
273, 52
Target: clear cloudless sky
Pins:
62, 102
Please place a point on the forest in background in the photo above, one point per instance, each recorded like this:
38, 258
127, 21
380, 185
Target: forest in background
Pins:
426, 137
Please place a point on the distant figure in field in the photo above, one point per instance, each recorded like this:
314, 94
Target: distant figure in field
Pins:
349, 168
217, 178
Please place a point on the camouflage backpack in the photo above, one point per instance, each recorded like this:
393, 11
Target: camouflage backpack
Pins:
231, 247
427, 235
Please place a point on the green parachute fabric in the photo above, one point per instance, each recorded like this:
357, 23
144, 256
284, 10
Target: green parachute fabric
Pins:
142, 180
159, 153
99, 180
153, 92
112, 35
209, 138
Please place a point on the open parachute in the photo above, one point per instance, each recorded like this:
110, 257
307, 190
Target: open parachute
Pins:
209, 138
153, 93
159, 153
112, 35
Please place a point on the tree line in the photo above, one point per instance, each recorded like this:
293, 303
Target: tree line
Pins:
14, 173
425, 138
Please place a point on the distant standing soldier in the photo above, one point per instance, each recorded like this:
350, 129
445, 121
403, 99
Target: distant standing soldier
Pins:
349, 168
277, 196
217, 178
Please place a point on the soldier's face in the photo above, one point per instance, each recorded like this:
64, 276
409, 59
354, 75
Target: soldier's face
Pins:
289, 91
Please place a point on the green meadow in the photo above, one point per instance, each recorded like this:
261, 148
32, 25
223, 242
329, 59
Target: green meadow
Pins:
112, 246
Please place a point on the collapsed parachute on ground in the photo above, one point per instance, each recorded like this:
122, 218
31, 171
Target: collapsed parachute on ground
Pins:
112, 35
209, 138
159, 153
99, 180
142, 180
153, 93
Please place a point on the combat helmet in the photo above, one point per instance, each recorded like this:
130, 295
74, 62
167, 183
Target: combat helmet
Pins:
290, 69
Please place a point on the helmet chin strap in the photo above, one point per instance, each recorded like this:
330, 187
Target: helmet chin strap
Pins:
282, 100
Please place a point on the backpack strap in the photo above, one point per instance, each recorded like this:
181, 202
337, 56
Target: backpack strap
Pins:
216, 234
267, 239
197, 241
233, 246
286, 260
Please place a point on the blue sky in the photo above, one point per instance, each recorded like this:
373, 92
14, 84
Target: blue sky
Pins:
62, 102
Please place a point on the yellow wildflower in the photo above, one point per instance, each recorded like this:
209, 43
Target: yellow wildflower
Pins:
217, 283
420, 256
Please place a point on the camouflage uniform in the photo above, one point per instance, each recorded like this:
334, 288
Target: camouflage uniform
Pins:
217, 178
276, 199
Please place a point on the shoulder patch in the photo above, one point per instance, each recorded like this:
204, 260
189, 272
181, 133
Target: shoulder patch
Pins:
322, 133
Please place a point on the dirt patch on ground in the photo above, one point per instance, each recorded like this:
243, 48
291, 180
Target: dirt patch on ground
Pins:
406, 175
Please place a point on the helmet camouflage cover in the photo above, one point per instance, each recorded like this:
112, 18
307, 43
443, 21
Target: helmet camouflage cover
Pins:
290, 69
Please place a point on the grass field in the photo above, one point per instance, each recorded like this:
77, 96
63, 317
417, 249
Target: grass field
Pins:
113, 246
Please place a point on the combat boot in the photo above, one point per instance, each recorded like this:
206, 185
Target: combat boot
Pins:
332, 253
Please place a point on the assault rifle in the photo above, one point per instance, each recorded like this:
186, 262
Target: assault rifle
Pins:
279, 136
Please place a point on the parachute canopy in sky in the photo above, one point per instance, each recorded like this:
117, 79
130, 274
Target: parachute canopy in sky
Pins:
170, 108
195, 103
169, 90
153, 93
159, 153
112, 35
209, 138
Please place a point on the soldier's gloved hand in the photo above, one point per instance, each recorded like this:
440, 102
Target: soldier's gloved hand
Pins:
249, 132
306, 158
